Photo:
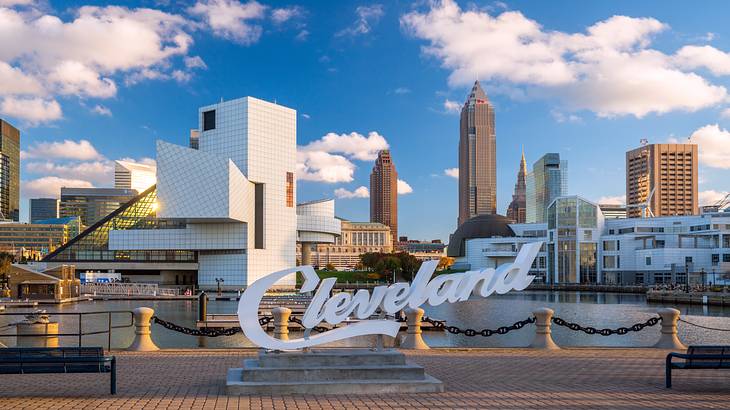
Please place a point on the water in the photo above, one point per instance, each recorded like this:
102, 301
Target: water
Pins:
601, 310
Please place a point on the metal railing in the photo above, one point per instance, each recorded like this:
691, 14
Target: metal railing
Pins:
80, 333
127, 289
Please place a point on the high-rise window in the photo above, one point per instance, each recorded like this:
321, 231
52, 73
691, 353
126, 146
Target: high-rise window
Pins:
289, 189
209, 120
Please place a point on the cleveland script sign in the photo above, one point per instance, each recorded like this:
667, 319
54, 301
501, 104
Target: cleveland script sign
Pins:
455, 287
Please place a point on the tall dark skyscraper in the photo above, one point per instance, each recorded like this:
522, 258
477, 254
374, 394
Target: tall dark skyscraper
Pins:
9, 171
517, 209
384, 193
477, 157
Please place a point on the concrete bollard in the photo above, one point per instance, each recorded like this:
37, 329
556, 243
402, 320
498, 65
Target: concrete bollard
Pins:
142, 339
413, 338
543, 338
668, 338
281, 322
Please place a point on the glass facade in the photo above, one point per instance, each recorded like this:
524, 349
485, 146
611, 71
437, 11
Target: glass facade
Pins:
547, 181
139, 213
572, 255
9, 171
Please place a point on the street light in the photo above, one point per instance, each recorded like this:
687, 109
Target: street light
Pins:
219, 281
686, 276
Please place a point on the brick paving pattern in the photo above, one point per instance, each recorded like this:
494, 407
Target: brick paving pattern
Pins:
474, 378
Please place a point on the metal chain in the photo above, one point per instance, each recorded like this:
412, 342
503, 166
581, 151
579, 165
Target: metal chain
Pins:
207, 332
704, 327
606, 332
318, 329
440, 324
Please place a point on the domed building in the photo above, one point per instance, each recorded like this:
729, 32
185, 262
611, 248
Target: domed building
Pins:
480, 226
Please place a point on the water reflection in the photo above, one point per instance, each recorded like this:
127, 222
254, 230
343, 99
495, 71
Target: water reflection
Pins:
587, 308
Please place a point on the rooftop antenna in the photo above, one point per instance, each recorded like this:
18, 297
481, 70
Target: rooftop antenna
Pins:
644, 142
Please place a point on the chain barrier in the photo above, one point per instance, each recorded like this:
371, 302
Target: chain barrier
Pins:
207, 332
606, 332
440, 324
704, 327
318, 329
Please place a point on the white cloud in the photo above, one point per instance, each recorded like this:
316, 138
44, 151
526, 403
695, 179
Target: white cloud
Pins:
231, 19
361, 192
402, 90
367, 16
42, 55
306, 116
195, 62
302, 35
101, 110
725, 113
321, 166
710, 197
81, 150
100, 172
404, 188
713, 145
353, 145
282, 15
32, 109
10, 3
452, 107
610, 69
452, 172
612, 200
50, 186
691, 57
562, 117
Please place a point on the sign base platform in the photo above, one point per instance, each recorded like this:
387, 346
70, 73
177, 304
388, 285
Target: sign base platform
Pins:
330, 371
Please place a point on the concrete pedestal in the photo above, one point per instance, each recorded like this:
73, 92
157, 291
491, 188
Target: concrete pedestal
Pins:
330, 371
37, 330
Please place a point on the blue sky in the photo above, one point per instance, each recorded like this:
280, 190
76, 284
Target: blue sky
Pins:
89, 82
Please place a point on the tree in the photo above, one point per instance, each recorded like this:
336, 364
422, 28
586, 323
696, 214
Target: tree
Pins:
409, 265
330, 266
388, 265
370, 260
445, 262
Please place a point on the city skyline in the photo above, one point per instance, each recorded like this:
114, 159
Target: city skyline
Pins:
71, 131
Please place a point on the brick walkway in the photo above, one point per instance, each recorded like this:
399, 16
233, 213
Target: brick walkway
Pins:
490, 378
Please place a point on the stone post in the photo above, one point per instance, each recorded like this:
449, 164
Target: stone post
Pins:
413, 338
668, 338
543, 338
142, 339
281, 322
306, 253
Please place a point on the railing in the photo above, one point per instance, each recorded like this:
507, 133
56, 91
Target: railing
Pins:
80, 333
127, 289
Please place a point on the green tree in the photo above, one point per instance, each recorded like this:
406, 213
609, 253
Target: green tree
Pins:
409, 265
370, 260
388, 265
330, 266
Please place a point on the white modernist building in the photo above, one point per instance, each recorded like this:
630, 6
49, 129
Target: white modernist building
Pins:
581, 246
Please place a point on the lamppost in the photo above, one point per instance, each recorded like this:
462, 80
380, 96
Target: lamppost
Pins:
219, 281
686, 276
704, 282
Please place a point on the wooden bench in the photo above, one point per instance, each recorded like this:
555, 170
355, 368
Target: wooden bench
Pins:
23, 360
698, 357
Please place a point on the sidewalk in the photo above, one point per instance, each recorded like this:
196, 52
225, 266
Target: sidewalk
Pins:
477, 378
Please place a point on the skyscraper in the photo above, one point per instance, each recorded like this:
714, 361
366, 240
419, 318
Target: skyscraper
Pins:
194, 139
547, 181
384, 193
43, 208
9, 171
133, 175
477, 157
670, 171
92, 204
517, 210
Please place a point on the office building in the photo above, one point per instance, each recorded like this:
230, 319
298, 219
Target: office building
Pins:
582, 246
9, 172
517, 209
43, 208
356, 238
92, 204
421, 250
661, 180
34, 240
547, 180
133, 175
194, 139
613, 211
477, 157
316, 224
384, 193
223, 213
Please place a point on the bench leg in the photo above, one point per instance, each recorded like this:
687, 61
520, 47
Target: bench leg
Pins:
114, 376
668, 373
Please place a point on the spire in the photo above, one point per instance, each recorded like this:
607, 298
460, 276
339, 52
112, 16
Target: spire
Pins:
523, 163
477, 93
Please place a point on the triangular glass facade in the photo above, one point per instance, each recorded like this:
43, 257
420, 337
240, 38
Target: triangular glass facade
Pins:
92, 245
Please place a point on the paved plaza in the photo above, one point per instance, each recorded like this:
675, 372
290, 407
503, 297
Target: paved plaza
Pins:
474, 378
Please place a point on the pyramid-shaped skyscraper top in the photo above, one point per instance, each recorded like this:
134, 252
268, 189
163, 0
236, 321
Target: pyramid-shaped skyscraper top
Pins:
477, 93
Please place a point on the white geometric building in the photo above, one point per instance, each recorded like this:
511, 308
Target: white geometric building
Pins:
316, 223
236, 194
